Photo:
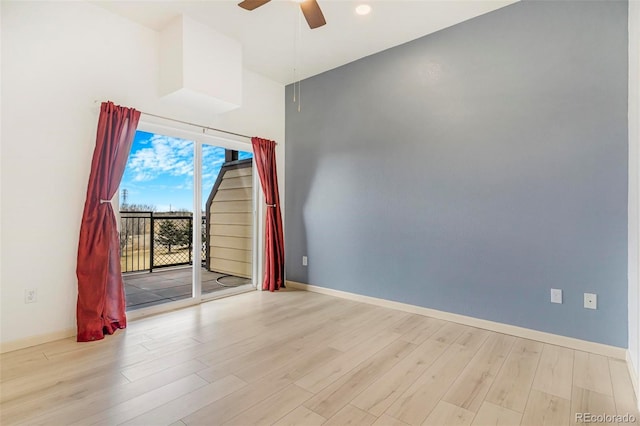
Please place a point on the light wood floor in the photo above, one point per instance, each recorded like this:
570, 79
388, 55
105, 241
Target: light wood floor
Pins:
299, 358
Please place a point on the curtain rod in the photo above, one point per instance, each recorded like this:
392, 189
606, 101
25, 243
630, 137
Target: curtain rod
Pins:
188, 123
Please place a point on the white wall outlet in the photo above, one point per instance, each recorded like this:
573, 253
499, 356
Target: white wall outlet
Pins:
304, 261
30, 295
591, 301
556, 295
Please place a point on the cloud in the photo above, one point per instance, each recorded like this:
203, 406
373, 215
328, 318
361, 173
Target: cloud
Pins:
212, 161
160, 170
161, 155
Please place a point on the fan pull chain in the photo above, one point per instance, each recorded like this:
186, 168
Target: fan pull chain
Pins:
297, 53
295, 59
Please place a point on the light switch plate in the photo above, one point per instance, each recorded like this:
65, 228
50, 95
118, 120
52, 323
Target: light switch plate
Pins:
556, 295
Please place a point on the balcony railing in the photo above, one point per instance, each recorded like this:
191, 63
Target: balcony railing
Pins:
151, 240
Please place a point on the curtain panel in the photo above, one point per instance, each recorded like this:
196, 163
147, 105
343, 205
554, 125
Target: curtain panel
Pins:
264, 154
101, 301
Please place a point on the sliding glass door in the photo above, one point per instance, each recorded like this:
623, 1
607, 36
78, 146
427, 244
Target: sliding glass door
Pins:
187, 218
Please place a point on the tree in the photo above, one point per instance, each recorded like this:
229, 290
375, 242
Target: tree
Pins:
133, 225
125, 207
169, 235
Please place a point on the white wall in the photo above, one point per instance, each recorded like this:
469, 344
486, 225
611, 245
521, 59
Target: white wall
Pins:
57, 58
1, 156
634, 187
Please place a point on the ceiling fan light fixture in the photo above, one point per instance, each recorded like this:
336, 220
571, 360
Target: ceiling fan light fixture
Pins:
363, 9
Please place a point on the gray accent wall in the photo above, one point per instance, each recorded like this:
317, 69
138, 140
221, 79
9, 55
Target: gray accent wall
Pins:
473, 170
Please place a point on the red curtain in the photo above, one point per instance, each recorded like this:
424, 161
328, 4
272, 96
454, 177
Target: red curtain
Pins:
101, 302
264, 154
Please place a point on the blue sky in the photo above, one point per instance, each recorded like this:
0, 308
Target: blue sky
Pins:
159, 171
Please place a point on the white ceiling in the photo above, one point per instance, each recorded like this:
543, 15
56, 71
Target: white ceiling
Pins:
275, 37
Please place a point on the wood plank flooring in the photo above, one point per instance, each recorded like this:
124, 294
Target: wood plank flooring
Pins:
300, 358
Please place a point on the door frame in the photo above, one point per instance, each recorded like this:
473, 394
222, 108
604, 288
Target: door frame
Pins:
228, 142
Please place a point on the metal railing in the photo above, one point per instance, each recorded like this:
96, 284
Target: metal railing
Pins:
151, 240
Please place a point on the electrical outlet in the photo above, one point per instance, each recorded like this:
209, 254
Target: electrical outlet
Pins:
591, 301
30, 295
304, 261
556, 295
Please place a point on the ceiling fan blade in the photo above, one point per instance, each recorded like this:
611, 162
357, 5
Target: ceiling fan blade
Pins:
312, 13
252, 4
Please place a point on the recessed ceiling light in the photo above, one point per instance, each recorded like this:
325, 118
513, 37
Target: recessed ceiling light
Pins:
363, 9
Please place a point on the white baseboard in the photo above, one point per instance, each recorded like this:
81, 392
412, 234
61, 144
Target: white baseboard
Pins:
554, 339
540, 336
14, 345
132, 316
634, 377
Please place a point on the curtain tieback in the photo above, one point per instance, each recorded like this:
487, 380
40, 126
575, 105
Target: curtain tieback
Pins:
271, 205
104, 201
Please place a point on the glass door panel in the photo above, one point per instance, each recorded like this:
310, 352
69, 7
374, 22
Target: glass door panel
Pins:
227, 219
156, 220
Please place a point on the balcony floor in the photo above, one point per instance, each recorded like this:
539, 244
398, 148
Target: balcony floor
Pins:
166, 285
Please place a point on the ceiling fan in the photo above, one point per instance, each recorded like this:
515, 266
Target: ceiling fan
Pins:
310, 10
